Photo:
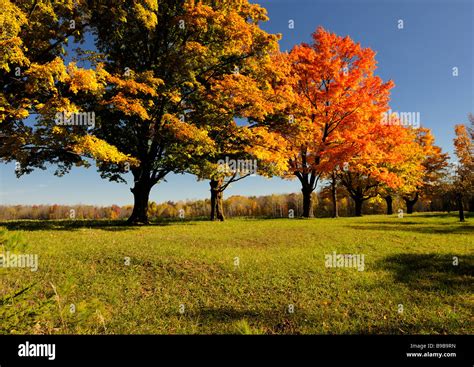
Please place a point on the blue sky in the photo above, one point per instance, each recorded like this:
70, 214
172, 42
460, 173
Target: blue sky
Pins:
437, 36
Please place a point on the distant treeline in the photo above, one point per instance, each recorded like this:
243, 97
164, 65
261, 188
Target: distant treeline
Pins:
276, 205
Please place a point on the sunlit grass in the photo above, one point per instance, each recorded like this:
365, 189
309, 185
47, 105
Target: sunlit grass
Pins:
183, 278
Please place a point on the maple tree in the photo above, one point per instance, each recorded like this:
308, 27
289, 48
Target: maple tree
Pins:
391, 159
433, 165
464, 172
166, 81
36, 84
333, 190
193, 60
243, 149
154, 69
471, 133
220, 166
332, 92
240, 152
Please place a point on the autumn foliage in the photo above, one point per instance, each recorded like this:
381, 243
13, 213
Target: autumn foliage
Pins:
332, 111
180, 86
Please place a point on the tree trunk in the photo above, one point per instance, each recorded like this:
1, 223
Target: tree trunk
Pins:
389, 201
307, 202
446, 203
471, 204
358, 205
220, 206
432, 206
309, 181
335, 209
217, 208
460, 207
410, 203
141, 194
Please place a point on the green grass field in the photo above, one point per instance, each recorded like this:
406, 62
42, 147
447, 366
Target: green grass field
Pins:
182, 277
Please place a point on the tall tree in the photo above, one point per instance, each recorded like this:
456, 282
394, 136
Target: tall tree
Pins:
471, 133
390, 160
434, 163
35, 84
223, 166
464, 173
333, 91
247, 94
156, 64
192, 57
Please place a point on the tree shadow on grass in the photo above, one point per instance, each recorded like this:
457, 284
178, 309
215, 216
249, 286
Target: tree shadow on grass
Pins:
226, 314
427, 274
266, 322
431, 272
445, 228
74, 225
403, 327
442, 215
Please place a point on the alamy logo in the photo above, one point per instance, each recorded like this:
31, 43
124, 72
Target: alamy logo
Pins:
345, 261
407, 119
37, 350
12, 260
75, 119
237, 166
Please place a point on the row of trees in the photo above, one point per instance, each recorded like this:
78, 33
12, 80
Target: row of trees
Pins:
169, 78
269, 206
58, 212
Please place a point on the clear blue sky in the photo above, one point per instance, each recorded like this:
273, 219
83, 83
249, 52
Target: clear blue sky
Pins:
437, 36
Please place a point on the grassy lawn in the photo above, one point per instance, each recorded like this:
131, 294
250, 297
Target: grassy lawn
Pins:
183, 278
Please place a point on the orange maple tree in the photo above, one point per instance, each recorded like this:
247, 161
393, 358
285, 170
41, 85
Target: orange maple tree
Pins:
390, 159
433, 164
464, 175
332, 94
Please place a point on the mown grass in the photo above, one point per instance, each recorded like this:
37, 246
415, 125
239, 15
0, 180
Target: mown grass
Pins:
190, 267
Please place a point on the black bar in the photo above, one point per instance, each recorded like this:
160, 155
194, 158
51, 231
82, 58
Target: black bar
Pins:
235, 347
